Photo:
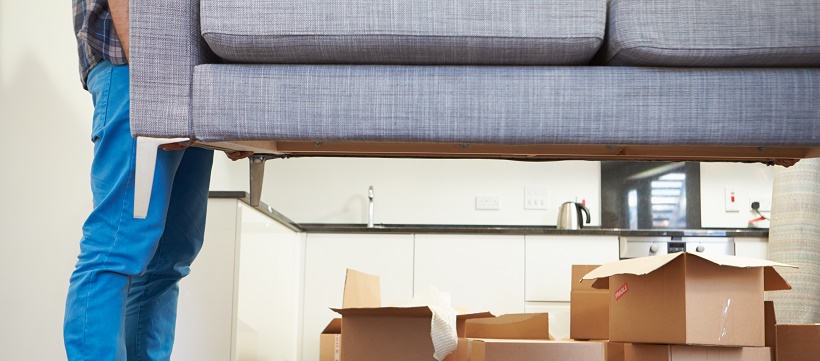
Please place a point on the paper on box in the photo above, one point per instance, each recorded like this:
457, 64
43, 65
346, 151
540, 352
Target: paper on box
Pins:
686, 298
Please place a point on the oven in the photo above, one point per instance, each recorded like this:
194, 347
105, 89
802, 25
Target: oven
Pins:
643, 246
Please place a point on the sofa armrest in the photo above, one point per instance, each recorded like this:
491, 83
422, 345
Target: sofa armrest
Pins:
166, 44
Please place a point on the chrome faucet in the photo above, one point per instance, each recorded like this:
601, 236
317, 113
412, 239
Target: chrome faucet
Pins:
370, 197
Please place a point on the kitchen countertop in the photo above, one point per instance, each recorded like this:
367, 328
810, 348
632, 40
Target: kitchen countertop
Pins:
487, 229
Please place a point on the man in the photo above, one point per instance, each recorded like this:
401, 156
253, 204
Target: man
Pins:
123, 294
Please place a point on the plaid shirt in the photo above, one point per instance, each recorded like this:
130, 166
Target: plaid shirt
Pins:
96, 38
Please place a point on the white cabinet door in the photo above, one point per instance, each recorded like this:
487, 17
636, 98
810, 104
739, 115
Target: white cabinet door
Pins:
270, 289
550, 260
752, 247
479, 272
207, 297
327, 256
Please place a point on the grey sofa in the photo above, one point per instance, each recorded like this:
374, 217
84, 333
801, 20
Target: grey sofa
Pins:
724, 80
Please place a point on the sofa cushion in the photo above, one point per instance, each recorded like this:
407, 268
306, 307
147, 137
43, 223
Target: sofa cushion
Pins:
713, 33
546, 32
507, 105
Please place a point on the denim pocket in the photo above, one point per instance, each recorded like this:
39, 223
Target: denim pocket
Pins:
99, 84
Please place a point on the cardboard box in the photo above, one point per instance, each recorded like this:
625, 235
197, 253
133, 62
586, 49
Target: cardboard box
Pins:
523, 326
535, 350
361, 290
589, 307
614, 351
330, 342
769, 320
798, 342
687, 298
647, 352
372, 332
461, 321
529, 326
386, 333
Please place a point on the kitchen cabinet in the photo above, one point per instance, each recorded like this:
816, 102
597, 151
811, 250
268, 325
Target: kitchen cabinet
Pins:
269, 289
710, 245
207, 299
752, 247
248, 310
479, 272
549, 261
328, 256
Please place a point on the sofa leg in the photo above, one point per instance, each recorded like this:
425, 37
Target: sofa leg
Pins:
257, 176
145, 163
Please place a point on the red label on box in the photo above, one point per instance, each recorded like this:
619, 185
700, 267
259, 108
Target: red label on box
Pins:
621, 291
337, 348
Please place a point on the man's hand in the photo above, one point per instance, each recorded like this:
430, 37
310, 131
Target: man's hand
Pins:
232, 155
238, 154
177, 146
786, 162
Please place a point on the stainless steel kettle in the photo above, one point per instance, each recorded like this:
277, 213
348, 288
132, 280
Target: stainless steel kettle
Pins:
570, 217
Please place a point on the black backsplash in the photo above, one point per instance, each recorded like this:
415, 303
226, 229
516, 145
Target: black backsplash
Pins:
650, 195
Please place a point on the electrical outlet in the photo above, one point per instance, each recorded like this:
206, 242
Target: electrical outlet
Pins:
536, 197
487, 202
764, 201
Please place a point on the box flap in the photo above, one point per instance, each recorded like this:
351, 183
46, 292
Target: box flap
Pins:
462, 319
335, 326
578, 272
644, 265
422, 311
525, 326
361, 290
636, 266
773, 281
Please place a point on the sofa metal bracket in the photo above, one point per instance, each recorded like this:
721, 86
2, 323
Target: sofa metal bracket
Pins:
257, 175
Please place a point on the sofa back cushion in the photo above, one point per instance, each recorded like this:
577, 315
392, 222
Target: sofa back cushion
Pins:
713, 33
501, 32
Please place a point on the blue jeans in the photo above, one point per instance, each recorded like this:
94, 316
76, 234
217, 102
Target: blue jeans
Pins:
122, 299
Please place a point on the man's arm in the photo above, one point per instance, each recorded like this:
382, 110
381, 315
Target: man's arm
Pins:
119, 14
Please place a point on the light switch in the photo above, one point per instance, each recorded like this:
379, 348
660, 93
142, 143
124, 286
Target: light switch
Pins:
732, 200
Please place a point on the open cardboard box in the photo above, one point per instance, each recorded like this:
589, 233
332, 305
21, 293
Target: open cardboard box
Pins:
648, 352
523, 337
361, 290
688, 298
531, 326
372, 332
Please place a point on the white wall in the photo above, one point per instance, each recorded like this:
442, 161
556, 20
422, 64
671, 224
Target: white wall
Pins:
417, 191
44, 192
750, 182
